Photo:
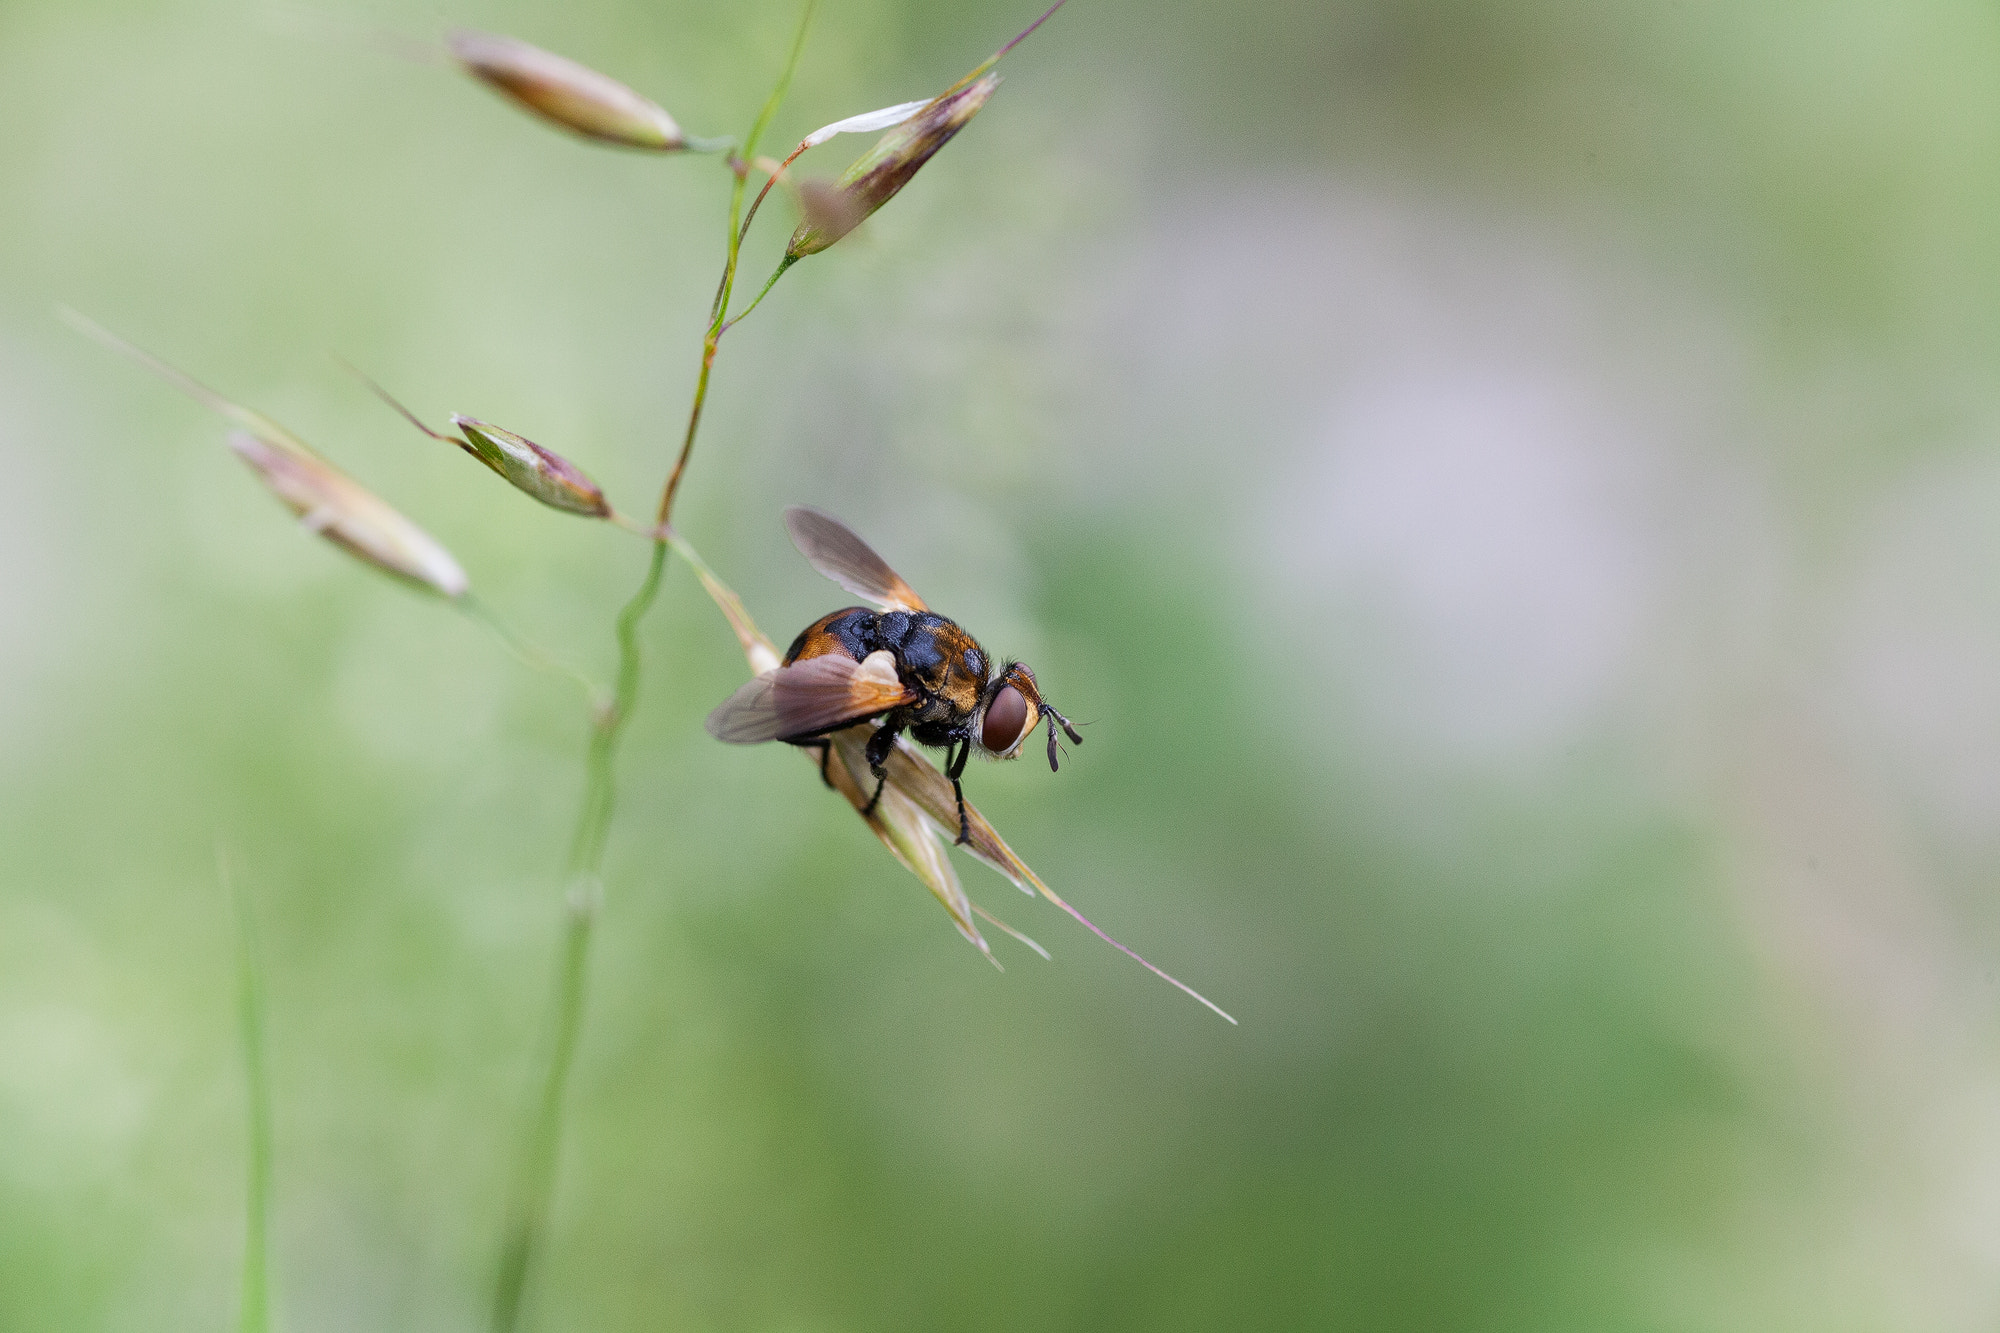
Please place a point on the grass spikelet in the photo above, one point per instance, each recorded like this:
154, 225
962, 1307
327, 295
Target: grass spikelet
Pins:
564, 93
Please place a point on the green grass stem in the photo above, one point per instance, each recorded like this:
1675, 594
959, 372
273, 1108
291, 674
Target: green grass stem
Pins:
254, 1310
541, 1146
526, 652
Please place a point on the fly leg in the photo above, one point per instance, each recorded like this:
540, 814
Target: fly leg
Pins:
825, 748
879, 745
954, 768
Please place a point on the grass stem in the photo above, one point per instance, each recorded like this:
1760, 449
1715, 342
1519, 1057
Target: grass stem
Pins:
525, 651
254, 1311
758, 300
541, 1147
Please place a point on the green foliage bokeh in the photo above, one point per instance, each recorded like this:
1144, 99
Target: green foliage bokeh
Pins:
1508, 488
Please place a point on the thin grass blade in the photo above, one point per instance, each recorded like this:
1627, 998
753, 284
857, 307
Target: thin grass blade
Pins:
254, 1304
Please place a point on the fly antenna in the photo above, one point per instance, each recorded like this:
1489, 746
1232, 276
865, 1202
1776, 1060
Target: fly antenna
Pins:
1069, 729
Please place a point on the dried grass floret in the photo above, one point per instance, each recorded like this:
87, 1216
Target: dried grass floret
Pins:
568, 95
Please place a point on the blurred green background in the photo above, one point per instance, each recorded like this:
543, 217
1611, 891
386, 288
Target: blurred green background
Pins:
1513, 490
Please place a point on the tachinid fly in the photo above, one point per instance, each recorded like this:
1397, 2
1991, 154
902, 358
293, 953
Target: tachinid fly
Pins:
913, 669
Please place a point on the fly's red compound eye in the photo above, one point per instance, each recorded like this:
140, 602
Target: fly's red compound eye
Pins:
1006, 719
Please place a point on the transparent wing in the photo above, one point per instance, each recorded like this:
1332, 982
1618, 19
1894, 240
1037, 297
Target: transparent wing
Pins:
836, 552
816, 695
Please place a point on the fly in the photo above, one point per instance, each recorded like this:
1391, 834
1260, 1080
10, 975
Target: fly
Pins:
901, 663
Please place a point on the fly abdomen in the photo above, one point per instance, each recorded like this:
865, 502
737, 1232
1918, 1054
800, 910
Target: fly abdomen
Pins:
850, 630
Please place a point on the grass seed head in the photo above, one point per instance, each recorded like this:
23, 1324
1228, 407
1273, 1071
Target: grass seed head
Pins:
833, 211
912, 836
339, 509
539, 472
570, 95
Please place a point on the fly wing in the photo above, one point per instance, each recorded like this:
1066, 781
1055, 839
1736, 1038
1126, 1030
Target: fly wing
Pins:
816, 695
836, 552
